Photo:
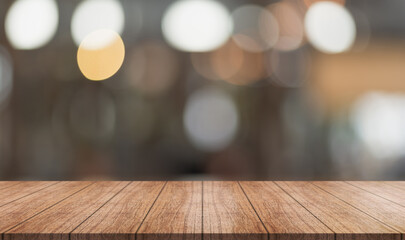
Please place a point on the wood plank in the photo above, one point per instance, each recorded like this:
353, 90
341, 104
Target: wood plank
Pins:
384, 210
382, 189
121, 217
346, 221
282, 216
58, 221
26, 207
6, 184
398, 184
228, 214
209, 210
176, 214
22, 189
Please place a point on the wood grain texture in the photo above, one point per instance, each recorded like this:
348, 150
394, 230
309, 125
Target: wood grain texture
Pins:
284, 217
398, 184
176, 214
121, 217
227, 213
58, 221
22, 189
6, 184
379, 208
383, 189
26, 207
202, 210
346, 221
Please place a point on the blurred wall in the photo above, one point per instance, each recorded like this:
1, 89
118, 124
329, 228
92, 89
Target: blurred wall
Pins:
271, 101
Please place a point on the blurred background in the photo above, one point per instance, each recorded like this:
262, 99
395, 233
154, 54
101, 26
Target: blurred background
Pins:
202, 89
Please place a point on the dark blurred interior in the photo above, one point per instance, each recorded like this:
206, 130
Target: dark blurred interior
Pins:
208, 89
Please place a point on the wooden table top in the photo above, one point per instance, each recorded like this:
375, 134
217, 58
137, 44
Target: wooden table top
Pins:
202, 210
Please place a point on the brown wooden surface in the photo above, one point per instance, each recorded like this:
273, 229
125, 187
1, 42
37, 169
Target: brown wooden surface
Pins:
346, 221
176, 214
121, 217
387, 190
26, 207
377, 207
400, 185
202, 210
58, 221
6, 184
228, 213
22, 189
284, 217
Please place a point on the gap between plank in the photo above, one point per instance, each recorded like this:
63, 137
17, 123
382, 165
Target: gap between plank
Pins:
356, 208
202, 210
268, 233
334, 233
143, 220
28, 193
402, 235
98, 209
13, 184
394, 186
375, 194
2, 235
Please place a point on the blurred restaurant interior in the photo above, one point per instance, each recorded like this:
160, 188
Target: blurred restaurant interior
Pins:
202, 89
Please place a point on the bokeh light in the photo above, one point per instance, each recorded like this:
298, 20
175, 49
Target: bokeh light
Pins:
290, 24
378, 119
221, 64
142, 72
330, 27
193, 83
92, 15
210, 119
31, 24
308, 3
101, 54
232, 64
252, 69
196, 25
255, 28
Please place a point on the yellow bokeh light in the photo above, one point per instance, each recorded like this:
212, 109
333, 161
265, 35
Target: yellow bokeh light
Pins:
101, 54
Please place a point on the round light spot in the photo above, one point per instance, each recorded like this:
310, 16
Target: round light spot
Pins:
231, 64
220, 64
308, 3
210, 119
196, 25
290, 24
92, 15
378, 119
256, 29
101, 54
251, 71
330, 27
31, 24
